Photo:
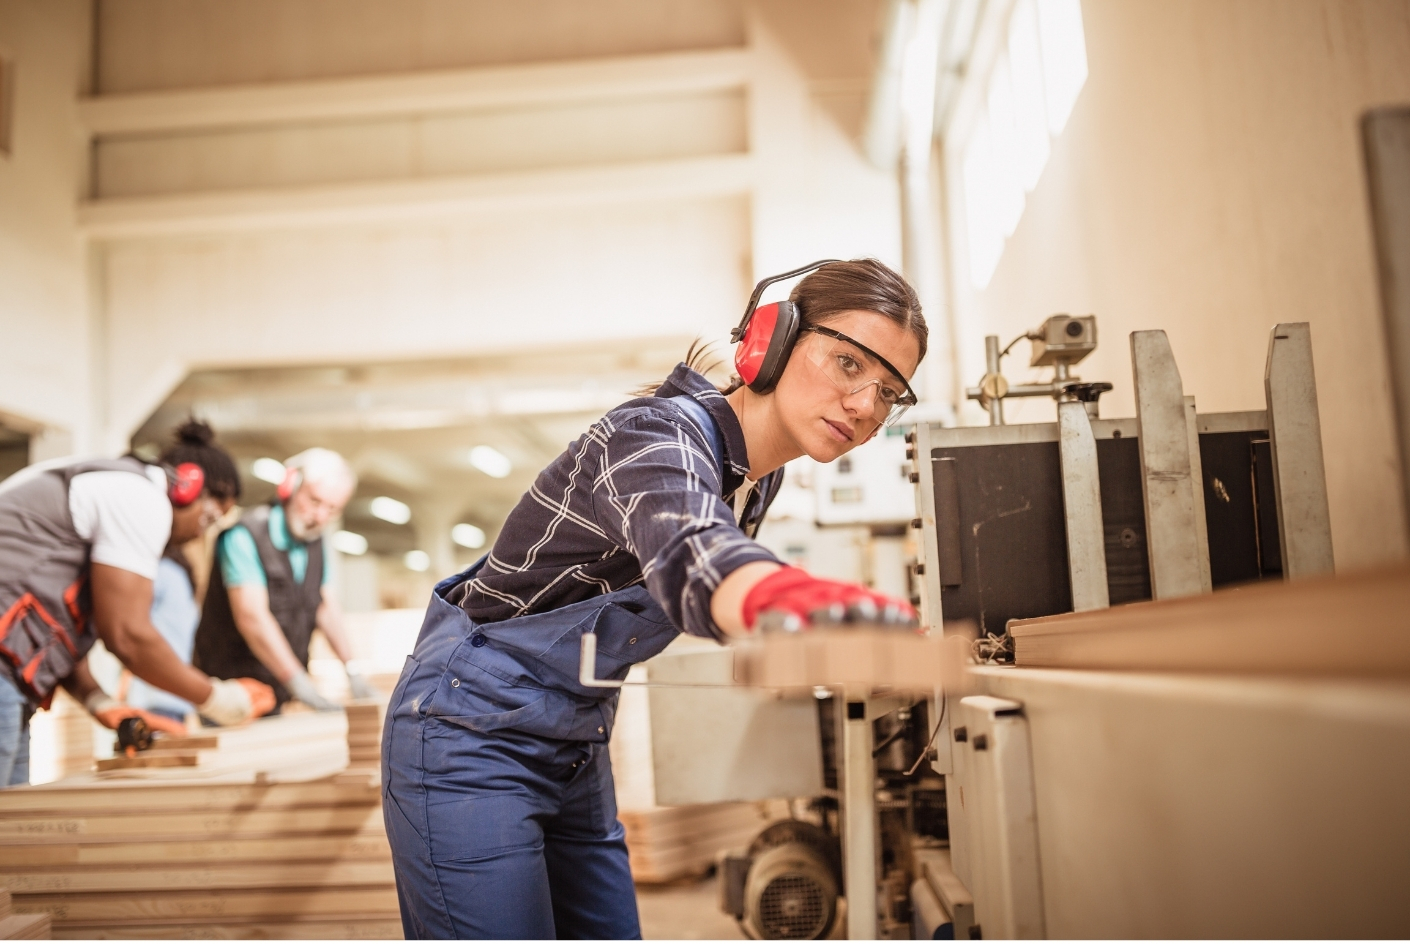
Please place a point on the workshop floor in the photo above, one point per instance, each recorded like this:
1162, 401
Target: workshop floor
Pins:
684, 911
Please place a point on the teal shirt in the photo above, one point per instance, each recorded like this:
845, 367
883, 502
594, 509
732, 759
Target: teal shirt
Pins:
239, 558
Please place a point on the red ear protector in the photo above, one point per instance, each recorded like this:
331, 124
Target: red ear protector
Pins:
293, 478
184, 484
766, 334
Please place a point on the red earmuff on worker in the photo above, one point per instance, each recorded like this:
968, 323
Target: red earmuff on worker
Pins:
766, 334
184, 484
293, 478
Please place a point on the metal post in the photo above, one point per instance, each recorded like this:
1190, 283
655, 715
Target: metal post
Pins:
859, 824
1082, 508
1385, 133
991, 366
1206, 578
1295, 437
1167, 484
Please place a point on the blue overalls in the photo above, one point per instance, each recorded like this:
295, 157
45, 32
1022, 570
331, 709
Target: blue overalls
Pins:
497, 786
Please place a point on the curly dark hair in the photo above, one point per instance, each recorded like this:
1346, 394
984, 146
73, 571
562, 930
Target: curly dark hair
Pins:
194, 442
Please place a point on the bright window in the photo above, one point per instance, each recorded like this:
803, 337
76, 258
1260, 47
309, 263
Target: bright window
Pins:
1029, 96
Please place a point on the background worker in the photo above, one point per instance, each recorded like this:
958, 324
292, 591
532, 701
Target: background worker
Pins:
175, 612
498, 795
269, 587
79, 546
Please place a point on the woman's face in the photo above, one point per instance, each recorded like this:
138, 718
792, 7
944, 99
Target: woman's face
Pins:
825, 417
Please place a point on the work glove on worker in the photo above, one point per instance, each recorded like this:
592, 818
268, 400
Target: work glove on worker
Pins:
360, 687
233, 701
300, 686
791, 599
110, 713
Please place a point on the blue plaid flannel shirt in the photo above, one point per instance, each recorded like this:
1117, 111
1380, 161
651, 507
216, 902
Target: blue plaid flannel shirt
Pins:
636, 498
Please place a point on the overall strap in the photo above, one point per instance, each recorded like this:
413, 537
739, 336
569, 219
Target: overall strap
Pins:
701, 416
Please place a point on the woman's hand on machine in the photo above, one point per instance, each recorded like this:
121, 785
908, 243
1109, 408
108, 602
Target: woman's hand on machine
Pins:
791, 598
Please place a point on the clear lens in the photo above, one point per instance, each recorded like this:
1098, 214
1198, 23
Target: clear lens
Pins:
853, 371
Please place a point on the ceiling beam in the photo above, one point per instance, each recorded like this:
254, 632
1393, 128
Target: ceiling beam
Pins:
513, 86
378, 202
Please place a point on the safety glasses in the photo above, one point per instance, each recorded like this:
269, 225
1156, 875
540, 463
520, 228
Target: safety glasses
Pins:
851, 367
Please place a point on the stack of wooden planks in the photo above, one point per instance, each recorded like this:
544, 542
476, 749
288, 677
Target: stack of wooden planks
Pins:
267, 836
670, 843
65, 735
18, 925
365, 734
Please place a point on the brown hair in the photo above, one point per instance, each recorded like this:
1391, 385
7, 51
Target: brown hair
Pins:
865, 285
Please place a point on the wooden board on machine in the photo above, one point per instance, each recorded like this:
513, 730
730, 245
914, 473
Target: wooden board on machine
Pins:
863, 656
667, 843
19, 925
224, 849
1345, 625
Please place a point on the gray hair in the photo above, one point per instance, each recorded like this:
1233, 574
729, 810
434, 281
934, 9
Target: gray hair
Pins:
322, 465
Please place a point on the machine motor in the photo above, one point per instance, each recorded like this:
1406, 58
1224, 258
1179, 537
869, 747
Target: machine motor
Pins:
786, 885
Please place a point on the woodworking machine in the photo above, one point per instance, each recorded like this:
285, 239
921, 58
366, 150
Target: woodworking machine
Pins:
1016, 522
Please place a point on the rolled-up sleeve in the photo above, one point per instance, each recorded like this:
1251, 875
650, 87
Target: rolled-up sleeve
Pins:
657, 494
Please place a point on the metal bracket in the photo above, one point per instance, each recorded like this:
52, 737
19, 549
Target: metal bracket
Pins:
1179, 558
1082, 507
1295, 435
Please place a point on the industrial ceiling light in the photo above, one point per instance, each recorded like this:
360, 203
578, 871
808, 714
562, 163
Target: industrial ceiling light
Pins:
416, 560
350, 543
467, 536
390, 510
269, 470
491, 462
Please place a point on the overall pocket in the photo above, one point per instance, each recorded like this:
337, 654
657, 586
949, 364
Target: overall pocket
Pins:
471, 698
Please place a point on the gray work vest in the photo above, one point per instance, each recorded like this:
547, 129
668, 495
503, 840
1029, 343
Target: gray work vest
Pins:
220, 649
45, 600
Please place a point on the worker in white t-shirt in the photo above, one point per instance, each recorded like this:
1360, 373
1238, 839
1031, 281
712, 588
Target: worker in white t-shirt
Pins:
80, 543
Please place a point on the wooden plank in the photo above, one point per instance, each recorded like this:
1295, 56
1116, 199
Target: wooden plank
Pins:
292, 903
1347, 625
150, 759
179, 824
26, 926
69, 799
366, 845
209, 875
371, 927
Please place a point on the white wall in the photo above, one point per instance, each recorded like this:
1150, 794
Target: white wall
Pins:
549, 271
1209, 183
43, 289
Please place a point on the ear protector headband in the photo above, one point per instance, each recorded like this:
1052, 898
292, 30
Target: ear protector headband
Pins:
766, 334
293, 478
184, 484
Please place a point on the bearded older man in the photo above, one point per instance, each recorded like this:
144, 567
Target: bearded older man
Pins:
269, 587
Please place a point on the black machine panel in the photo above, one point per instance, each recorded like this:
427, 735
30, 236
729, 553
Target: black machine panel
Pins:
1233, 499
1009, 532
1128, 565
1003, 539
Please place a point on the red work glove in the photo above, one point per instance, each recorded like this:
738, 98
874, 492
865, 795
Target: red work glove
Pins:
796, 593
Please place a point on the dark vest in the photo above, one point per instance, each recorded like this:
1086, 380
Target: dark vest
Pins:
220, 649
45, 601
